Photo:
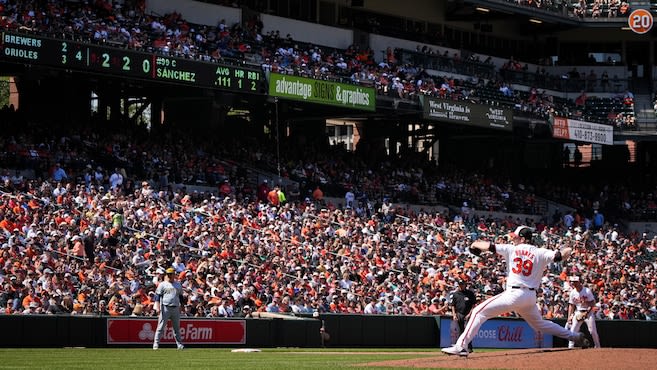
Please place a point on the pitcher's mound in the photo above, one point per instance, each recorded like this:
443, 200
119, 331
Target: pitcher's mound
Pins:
558, 358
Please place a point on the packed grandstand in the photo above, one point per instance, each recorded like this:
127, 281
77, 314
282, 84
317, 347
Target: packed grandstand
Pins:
88, 215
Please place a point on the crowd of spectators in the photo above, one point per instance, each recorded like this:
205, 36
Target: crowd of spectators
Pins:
165, 159
90, 238
88, 241
592, 9
68, 248
86, 155
127, 25
283, 54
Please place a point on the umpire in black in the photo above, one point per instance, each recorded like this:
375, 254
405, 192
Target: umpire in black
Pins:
462, 300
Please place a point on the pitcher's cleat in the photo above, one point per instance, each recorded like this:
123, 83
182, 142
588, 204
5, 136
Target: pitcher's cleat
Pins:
456, 351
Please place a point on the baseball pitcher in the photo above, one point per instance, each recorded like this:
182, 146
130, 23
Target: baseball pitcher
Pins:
525, 264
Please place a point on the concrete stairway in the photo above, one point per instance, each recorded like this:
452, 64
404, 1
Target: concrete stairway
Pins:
646, 117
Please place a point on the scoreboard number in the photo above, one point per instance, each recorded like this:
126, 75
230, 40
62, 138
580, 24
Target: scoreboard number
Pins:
146, 66
127, 63
64, 50
640, 21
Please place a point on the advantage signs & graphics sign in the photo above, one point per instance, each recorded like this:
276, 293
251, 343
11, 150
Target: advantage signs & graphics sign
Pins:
322, 92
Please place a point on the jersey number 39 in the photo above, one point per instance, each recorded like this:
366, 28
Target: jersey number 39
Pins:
522, 266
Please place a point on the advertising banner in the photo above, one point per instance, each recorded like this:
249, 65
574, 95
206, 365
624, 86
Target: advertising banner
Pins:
497, 333
468, 114
322, 92
570, 129
142, 331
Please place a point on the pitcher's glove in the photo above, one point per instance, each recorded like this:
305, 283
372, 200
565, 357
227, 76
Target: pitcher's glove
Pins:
475, 251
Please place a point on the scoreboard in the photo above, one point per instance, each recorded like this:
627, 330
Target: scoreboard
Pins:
133, 64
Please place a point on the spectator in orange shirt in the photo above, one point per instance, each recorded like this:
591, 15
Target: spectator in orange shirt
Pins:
318, 194
78, 247
272, 197
31, 297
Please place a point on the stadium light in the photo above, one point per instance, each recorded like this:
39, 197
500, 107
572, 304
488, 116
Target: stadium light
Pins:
483, 10
537, 21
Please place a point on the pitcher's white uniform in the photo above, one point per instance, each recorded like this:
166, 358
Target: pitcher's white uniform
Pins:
525, 265
583, 300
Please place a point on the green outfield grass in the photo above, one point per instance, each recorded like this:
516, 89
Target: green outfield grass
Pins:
199, 358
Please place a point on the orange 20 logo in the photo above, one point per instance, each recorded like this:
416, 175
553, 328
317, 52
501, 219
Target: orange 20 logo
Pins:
640, 21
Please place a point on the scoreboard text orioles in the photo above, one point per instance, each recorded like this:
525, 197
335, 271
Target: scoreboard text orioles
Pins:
86, 57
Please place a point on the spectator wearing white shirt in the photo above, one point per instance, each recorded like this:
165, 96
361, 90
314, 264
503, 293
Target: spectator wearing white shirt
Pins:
369, 309
116, 180
59, 190
224, 309
349, 198
266, 66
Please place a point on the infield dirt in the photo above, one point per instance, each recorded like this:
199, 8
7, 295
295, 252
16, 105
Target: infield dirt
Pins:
599, 358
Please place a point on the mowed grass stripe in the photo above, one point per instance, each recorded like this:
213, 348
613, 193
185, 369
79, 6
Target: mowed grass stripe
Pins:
196, 358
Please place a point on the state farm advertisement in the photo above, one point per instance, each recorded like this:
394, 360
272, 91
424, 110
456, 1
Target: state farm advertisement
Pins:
497, 333
142, 331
